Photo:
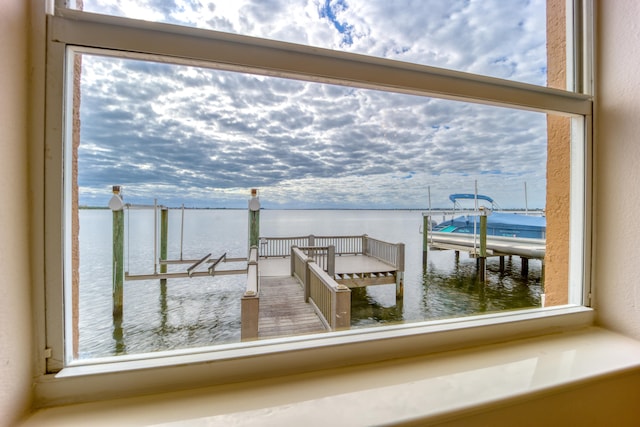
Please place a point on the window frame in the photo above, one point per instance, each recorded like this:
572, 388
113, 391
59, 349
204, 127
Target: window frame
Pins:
63, 382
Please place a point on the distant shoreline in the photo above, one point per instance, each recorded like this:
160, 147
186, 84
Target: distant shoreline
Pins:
327, 209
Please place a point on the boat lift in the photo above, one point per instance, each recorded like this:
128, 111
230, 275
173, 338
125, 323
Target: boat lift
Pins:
118, 207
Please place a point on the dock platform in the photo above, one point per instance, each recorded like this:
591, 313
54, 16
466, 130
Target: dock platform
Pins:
346, 267
283, 310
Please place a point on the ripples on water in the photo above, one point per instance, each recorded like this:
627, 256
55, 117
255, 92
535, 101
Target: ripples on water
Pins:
204, 311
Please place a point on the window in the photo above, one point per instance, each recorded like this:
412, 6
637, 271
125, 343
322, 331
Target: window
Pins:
186, 115
451, 35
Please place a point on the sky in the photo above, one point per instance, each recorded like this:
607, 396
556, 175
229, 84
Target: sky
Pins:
204, 138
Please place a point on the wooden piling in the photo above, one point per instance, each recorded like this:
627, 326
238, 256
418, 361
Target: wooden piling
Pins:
482, 255
400, 272
399, 285
525, 267
426, 222
116, 205
254, 218
164, 228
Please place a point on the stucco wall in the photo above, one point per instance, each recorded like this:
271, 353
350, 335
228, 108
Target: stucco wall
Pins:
15, 294
558, 158
617, 157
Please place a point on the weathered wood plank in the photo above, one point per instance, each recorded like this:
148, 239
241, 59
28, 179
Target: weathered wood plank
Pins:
359, 282
283, 311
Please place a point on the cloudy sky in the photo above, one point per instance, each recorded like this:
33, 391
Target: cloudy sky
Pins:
204, 137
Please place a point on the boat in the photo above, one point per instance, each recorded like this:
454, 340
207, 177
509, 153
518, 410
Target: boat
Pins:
499, 223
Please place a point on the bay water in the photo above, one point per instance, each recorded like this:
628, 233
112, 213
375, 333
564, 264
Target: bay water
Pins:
203, 311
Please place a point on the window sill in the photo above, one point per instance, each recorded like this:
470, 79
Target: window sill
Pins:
422, 389
130, 376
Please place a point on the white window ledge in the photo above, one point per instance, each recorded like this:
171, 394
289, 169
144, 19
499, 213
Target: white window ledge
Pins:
420, 390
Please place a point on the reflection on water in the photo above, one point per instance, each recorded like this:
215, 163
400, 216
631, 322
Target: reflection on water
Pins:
449, 287
203, 311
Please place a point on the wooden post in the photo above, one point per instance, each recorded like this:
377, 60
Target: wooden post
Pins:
292, 263
365, 244
254, 218
525, 267
164, 226
116, 205
306, 282
250, 302
400, 271
399, 285
249, 313
501, 263
482, 267
342, 306
426, 222
331, 261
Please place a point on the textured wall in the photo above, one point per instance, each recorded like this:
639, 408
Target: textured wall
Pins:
617, 157
15, 286
558, 160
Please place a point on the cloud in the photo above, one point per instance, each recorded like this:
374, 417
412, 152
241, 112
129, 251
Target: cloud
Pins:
205, 137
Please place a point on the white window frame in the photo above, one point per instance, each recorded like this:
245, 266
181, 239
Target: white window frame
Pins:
62, 380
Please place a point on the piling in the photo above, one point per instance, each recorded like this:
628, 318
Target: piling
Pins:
524, 271
117, 207
164, 228
426, 222
482, 255
400, 272
254, 218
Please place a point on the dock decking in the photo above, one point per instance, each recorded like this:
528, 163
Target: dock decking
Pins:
282, 307
283, 311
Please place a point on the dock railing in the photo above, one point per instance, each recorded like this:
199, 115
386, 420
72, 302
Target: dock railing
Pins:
390, 253
249, 305
323, 256
281, 246
330, 300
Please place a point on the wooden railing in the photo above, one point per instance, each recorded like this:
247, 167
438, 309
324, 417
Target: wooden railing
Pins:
281, 246
391, 253
323, 256
331, 301
344, 245
249, 305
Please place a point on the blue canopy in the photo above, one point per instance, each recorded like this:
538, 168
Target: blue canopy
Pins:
454, 197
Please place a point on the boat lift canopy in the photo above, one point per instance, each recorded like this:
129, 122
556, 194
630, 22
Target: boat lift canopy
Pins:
470, 196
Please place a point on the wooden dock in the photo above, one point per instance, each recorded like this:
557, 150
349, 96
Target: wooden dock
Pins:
301, 285
283, 311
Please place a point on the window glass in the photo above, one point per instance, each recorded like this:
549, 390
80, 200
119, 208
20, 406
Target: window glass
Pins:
327, 161
505, 39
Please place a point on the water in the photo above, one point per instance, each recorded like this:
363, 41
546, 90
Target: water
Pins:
204, 311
